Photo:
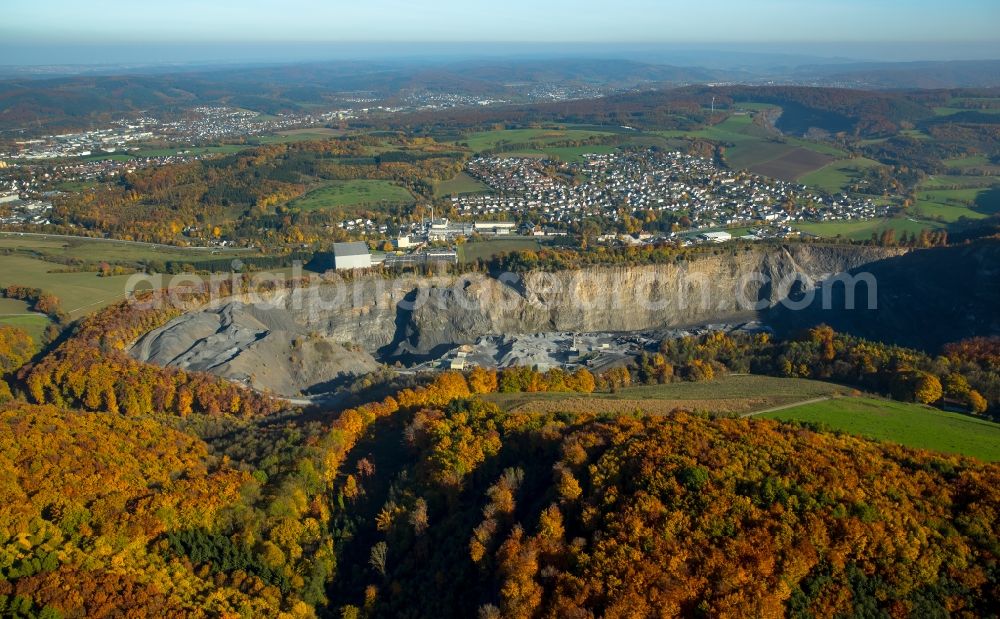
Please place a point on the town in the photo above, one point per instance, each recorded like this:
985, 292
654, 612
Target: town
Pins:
691, 192
638, 197
199, 125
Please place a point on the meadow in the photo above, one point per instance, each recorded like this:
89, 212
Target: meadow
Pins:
108, 250
223, 149
15, 312
863, 230
912, 425
462, 183
80, 293
299, 135
484, 250
837, 175
733, 394
952, 204
763, 150
353, 193
486, 140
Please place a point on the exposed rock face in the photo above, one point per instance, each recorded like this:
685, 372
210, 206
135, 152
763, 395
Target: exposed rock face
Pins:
296, 340
925, 299
264, 348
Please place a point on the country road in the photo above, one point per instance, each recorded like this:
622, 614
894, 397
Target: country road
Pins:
784, 406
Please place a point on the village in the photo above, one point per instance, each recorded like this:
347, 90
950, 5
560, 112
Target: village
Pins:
695, 190
199, 125
632, 194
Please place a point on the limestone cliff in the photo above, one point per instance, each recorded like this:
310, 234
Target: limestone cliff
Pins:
292, 340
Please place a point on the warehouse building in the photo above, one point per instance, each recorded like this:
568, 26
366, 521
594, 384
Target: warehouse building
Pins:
351, 256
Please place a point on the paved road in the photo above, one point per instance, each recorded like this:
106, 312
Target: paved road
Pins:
784, 406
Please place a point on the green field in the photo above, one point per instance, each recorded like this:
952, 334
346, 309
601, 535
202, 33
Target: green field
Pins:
478, 142
484, 250
839, 175
862, 230
948, 111
749, 145
964, 163
908, 424
33, 324
353, 193
461, 184
225, 149
80, 293
952, 204
958, 182
733, 394
576, 153
107, 250
299, 135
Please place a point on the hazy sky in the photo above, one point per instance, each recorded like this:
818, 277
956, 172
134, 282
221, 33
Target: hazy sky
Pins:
33, 24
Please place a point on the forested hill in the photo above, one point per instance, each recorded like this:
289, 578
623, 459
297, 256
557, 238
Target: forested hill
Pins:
522, 515
435, 503
854, 112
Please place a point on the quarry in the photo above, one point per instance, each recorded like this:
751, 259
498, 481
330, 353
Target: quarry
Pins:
312, 340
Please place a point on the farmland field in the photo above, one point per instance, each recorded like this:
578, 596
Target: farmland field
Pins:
225, 149
958, 182
965, 163
476, 250
749, 145
461, 184
953, 204
862, 230
729, 394
106, 250
33, 324
352, 193
80, 293
576, 153
793, 164
908, 424
478, 142
838, 175
299, 135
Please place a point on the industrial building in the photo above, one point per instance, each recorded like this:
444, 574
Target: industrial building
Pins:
351, 256
716, 237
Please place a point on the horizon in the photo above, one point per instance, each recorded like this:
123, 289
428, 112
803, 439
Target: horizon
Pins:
58, 32
704, 54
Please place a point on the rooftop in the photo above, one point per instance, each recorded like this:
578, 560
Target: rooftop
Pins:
357, 248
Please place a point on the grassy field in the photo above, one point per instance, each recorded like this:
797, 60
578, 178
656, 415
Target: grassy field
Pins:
576, 153
299, 135
476, 250
965, 163
749, 146
948, 111
98, 250
15, 312
461, 184
478, 142
80, 293
353, 193
729, 394
225, 149
952, 204
862, 230
908, 424
793, 164
838, 175
958, 182
33, 324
